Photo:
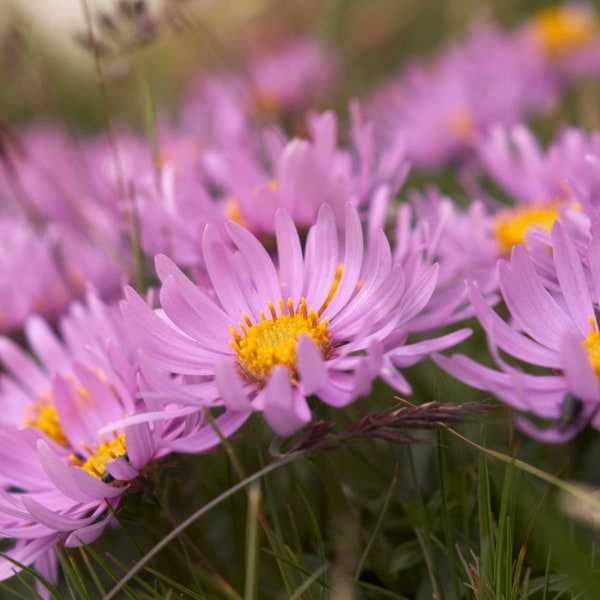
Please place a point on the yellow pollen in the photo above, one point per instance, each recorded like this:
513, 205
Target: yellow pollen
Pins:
100, 455
42, 414
334, 286
512, 225
233, 212
563, 29
272, 341
592, 347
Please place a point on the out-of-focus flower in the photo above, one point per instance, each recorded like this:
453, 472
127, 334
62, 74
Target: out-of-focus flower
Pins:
292, 78
569, 36
279, 84
325, 322
443, 107
558, 332
302, 174
30, 279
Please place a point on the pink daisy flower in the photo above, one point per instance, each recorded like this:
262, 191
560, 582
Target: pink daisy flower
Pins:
264, 338
558, 332
444, 106
302, 174
74, 435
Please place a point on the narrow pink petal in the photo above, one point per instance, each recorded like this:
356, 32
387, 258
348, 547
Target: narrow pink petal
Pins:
511, 341
321, 258
46, 346
419, 293
121, 470
289, 251
257, 260
222, 274
352, 262
86, 535
393, 377
532, 307
206, 438
93, 486
22, 366
60, 475
420, 349
594, 259
198, 316
571, 277
230, 386
51, 519
139, 444
285, 409
311, 366
581, 378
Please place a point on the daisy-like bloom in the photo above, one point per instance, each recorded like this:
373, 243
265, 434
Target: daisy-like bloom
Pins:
280, 83
74, 435
322, 323
303, 174
557, 332
292, 78
561, 182
569, 36
443, 107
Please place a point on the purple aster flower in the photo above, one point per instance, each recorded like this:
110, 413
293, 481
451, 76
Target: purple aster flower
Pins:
442, 108
544, 185
279, 83
302, 174
75, 436
569, 37
556, 332
292, 78
325, 322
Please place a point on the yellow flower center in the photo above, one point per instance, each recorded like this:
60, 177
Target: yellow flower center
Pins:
42, 414
592, 347
563, 29
511, 226
100, 454
273, 341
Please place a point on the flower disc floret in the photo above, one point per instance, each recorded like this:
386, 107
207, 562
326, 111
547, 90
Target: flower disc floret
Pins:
273, 341
592, 348
42, 414
512, 226
100, 455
